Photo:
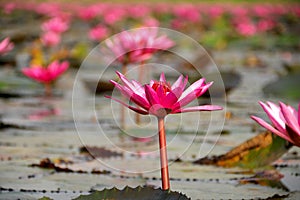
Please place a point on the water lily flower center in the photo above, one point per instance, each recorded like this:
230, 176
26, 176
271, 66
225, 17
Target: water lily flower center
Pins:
165, 86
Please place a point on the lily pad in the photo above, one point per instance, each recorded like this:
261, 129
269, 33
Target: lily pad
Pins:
259, 151
138, 193
287, 87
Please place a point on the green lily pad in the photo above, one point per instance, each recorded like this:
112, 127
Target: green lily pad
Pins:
285, 87
138, 193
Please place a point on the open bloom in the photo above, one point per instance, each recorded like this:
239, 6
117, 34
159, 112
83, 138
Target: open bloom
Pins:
6, 46
56, 25
285, 120
98, 33
50, 39
246, 28
159, 98
138, 45
46, 74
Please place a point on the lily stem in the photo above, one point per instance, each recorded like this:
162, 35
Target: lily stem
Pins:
163, 154
48, 89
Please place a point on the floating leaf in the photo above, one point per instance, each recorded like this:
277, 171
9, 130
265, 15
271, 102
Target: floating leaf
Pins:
284, 87
138, 193
99, 152
265, 178
258, 151
45, 198
48, 164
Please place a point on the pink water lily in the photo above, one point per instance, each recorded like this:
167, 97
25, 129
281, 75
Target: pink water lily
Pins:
50, 39
138, 45
98, 32
46, 74
56, 25
6, 46
285, 121
159, 98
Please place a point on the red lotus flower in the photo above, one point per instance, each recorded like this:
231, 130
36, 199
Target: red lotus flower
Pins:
159, 98
138, 45
46, 74
6, 46
285, 120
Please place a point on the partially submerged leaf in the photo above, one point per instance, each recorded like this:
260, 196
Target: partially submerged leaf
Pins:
99, 152
265, 178
258, 151
48, 164
45, 198
287, 86
138, 193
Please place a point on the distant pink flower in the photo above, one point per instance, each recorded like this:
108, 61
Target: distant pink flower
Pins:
138, 10
262, 10
50, 39
296, 11
177, 24
246, 29
56, 25
6, 46
47, 8
98, 33
46, 74
87, 13
265, 25
216, 11
9, 7
239, 11
285, 120
187, 12
161, 8
150, 22
138, 45
159, 98
114, 14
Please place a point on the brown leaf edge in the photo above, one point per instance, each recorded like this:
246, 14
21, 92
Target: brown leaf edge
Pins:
46, 163
259, 151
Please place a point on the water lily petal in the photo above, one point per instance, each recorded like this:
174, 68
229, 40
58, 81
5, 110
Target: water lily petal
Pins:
299, 114
271, 128
171, 98
198, 108
277, 113
274, 116
126, 82
190, 90
138, 110
151, 95
160, 93
291, 121
198, 88
162, 78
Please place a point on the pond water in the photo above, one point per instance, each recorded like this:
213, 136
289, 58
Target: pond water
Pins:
34, 128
